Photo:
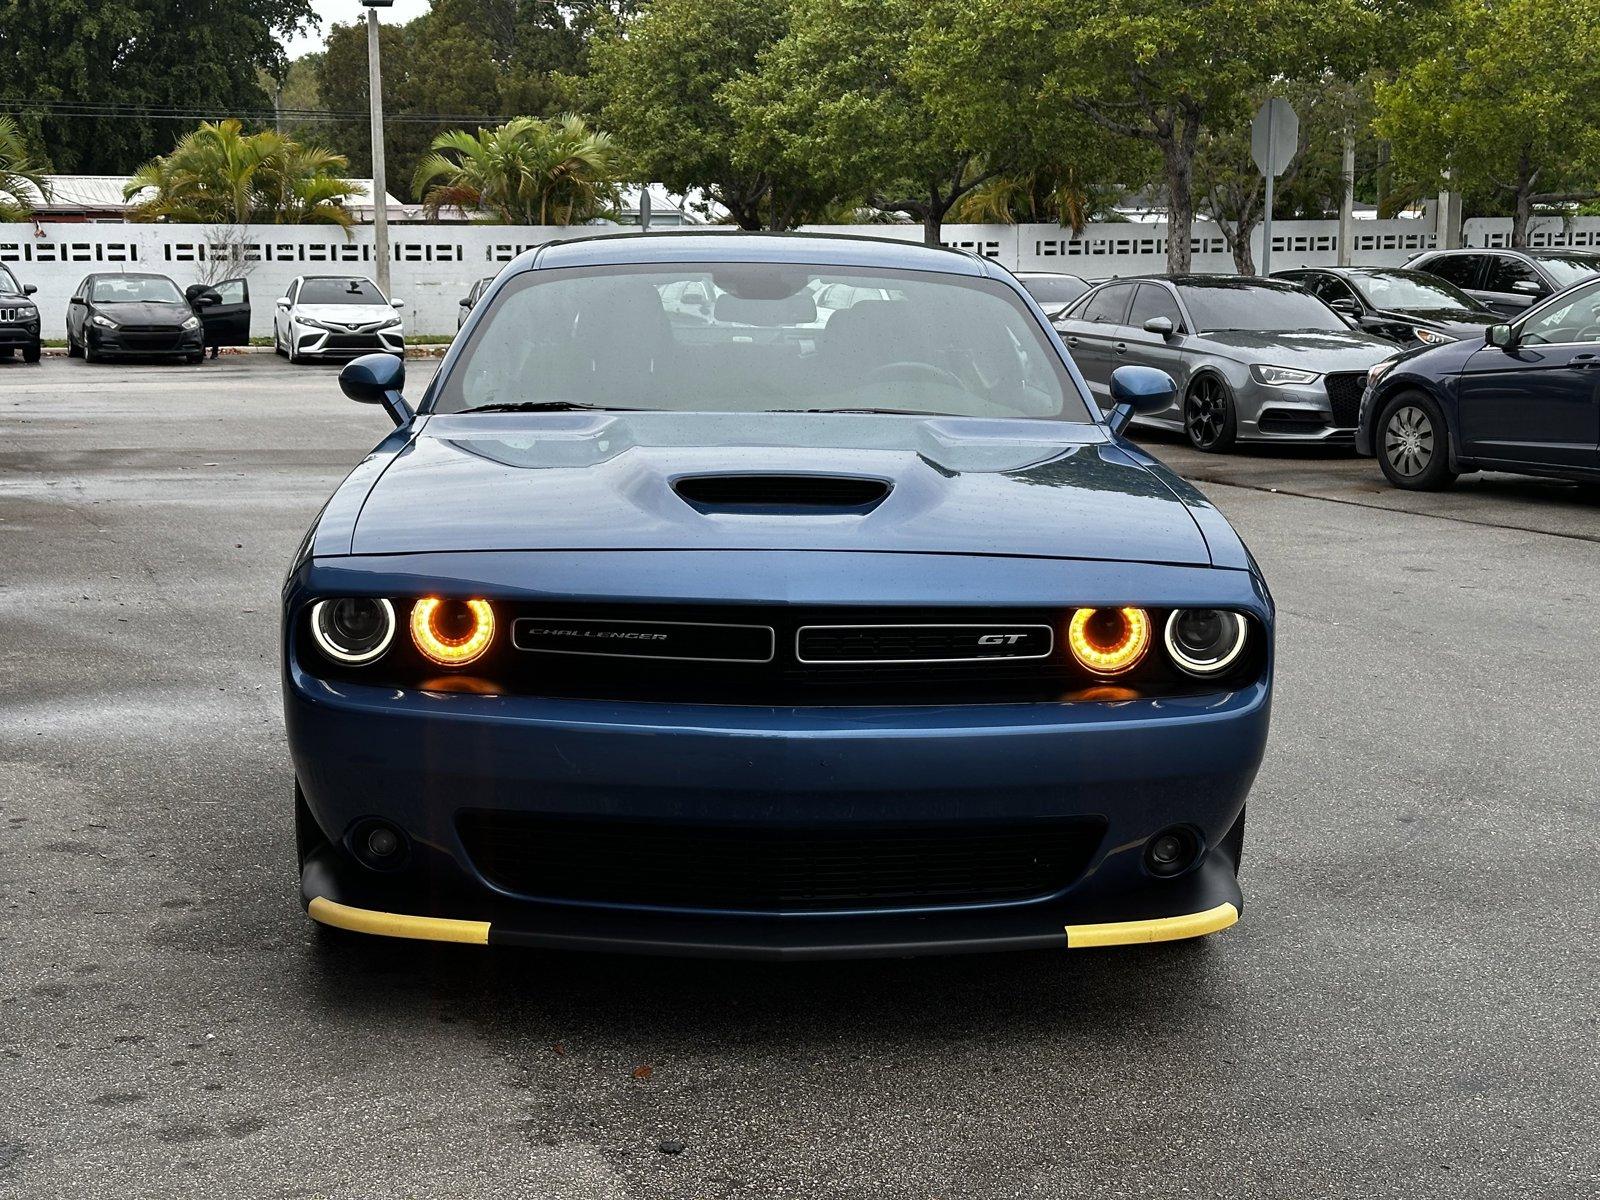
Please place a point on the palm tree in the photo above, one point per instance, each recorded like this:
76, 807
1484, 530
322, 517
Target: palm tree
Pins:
220, 175
525, 172
22, 178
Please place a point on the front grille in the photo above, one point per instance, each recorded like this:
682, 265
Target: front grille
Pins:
922, 643
775, 868
711, 492
1344, 397
166, 340
347, 341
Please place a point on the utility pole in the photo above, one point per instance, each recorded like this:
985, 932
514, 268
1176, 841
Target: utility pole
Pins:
1347, 202
380, 188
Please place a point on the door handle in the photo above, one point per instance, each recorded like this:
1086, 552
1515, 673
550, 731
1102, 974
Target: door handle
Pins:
1586, 362
1122, 347
1072, 340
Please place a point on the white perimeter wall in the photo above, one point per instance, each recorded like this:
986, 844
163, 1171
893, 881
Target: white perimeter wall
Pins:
434, 265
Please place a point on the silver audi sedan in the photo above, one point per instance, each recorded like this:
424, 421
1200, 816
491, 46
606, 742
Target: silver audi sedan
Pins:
1255, 360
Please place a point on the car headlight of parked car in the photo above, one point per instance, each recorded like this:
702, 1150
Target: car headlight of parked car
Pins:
102, 321
391, 323
1281, 376
1205, 641
1431, 337
353, 629
452, 633
192, 323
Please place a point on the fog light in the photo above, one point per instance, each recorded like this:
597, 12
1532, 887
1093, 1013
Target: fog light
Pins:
1172, 851
354, 629
382, 842
1109, 641
379, 845
452, 632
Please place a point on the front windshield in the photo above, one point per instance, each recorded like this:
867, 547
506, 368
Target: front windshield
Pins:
761, 337
340, 291
8, 284
129, 289
1410, 290
1568, 269
1259, 307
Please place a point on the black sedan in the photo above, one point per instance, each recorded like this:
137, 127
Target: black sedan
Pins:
135, 315
1509, 281
1525, 398
1408, 307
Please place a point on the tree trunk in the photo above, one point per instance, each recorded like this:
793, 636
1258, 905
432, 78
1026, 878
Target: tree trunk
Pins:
933, 219
1244, 258
1522, 212
1177, 153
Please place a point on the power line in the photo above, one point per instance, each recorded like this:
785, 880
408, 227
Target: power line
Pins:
127, 112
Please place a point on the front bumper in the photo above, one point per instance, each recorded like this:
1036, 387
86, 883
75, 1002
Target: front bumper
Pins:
426, 761
18, 337
313, 342
154, 344
1289, 413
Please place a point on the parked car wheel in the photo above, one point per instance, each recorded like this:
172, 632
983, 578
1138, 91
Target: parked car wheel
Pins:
90, 354
194, 359
277, 345
73, 349
1209, 421
31, 354
1413, 443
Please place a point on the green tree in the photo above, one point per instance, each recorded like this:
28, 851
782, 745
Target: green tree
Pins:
1504, 101
836, 100
21, 175
525, 172
661, 83
141, 54
1157, 72
218, 174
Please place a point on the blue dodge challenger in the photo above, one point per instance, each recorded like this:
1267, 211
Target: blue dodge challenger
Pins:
775, 596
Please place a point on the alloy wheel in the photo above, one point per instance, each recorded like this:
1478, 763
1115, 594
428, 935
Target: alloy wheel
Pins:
1204, 413
1408, 441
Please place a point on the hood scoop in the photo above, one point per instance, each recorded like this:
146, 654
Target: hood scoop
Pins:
769, 494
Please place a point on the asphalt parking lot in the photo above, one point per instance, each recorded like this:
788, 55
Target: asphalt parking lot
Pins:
1407, 1009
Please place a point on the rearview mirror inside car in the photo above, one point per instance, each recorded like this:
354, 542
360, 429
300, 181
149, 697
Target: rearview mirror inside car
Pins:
1500, 335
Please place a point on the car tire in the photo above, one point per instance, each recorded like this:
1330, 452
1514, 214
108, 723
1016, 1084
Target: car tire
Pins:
1412, 442
32, 353
1210, 421
90, 354
73, 349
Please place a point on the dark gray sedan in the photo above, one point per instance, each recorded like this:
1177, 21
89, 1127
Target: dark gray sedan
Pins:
1254, 359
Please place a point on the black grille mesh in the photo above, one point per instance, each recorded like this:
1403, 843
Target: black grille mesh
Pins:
772, 869
781, 491
1344, 397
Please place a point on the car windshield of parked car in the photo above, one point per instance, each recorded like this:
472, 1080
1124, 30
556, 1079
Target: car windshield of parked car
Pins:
8, 284
1412, 291
761, 337
1572, 318
1568, 269
340, 291
132, 289
1266, 308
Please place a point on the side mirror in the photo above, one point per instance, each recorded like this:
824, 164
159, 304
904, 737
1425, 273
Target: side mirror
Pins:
1160, 326
1138, 390
29, 289
397, 303
1502, 336
77, 300
465, 302
1346, 306
283, 303
378, 379
1527, 287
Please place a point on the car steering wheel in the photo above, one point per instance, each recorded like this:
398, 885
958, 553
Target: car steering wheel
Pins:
911, 372
1589, 333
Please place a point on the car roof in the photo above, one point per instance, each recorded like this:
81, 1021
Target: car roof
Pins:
127, 275
358, 278
807, 249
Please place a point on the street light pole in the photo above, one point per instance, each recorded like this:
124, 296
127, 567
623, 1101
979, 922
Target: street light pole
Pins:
380, 189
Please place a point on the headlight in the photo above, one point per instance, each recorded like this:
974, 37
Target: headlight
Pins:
1204, 641
452, 632
391, 323
103, 322
356, 629
192, 323
310, 324
1109, 641
1281, 376
1431, 337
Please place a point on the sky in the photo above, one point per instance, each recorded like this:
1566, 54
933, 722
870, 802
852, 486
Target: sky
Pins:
347, 12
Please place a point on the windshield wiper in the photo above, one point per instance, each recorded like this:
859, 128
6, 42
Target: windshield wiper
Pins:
544, 406
892, 412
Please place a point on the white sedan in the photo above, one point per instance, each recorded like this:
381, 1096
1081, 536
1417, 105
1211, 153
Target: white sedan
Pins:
336, 316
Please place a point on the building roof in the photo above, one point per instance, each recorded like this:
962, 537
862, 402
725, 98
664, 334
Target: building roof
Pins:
102, 195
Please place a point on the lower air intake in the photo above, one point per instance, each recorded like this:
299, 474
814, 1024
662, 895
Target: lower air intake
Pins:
764, 493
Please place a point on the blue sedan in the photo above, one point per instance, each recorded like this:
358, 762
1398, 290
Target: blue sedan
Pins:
821, 621
1524, 397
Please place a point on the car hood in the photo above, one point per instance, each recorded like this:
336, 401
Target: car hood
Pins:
1330, 350
346, 314
605, 481
145, 312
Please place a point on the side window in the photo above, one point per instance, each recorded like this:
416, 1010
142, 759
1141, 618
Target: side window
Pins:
1153, 300
1329, 288
1107, 305
1577, 320
294, 290
233, 291
1459, 269
1506, 272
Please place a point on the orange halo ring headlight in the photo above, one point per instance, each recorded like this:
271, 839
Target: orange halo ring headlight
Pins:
452, 633
1109, 641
